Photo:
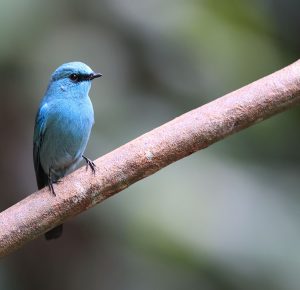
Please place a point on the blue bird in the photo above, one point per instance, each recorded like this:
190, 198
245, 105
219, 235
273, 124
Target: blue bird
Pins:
62, 127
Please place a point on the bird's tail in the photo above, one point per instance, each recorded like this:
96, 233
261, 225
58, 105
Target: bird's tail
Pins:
42, 181
54, 233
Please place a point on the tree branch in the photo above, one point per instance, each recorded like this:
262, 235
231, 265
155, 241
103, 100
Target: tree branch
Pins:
147, 154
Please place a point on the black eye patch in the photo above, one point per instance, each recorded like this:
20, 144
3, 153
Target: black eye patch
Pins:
80, 77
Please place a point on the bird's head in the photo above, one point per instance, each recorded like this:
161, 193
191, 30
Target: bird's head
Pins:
73, 78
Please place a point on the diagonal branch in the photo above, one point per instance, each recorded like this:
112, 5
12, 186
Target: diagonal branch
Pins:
147, 154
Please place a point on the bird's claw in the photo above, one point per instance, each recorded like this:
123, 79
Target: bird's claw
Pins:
51, 188
90, 163
51, 182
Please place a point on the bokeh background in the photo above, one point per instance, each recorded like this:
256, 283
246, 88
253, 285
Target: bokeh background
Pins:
227, 217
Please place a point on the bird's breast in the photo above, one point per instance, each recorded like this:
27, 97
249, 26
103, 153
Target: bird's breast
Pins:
68, 127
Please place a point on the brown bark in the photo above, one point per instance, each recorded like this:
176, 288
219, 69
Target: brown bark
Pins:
147, 154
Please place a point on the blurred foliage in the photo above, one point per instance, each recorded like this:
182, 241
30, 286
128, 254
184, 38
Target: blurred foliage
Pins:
224, 218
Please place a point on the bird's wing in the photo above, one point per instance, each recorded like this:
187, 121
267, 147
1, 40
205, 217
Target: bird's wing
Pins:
39, 132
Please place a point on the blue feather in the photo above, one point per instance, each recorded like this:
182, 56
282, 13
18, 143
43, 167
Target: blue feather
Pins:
62, 126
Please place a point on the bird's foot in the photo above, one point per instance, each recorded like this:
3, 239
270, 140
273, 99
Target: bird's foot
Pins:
51, 188
51, 182
90, 163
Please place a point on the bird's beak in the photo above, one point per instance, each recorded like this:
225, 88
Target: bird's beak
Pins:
95, 75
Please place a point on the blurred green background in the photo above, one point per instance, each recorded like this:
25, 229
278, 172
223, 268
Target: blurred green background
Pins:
224, 218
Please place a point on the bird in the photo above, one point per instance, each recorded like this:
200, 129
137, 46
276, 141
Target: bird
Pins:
62, 128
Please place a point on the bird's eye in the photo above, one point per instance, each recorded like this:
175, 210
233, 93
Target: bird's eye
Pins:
74, 77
